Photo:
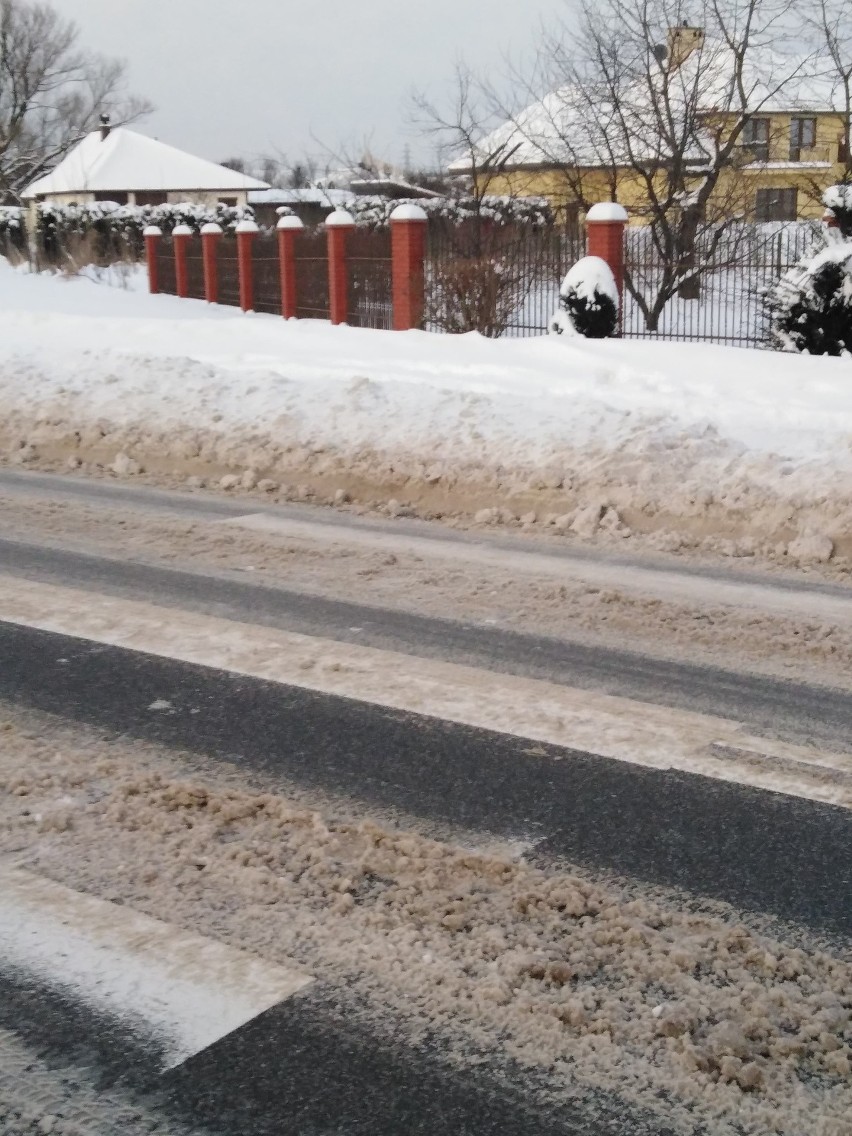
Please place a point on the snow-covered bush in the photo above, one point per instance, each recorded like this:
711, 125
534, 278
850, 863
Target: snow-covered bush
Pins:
13, 231
375, 211
588, 301
11, 219
810, 307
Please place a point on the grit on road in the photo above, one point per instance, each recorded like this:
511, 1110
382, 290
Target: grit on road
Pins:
511, 837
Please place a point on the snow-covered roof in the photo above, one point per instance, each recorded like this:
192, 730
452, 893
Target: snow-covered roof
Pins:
583, 127
390, 187
309, 195
125, 160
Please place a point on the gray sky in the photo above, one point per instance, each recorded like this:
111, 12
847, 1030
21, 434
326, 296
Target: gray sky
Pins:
241, 78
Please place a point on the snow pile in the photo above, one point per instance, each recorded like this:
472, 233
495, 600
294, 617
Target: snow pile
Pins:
699, 441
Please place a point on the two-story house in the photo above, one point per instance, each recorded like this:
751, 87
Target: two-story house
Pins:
575, 148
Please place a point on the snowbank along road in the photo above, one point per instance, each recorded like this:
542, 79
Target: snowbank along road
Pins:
737, 452
318, 823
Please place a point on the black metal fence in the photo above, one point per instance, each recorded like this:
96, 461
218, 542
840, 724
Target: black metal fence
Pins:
505, 281
310, 252
195, 269
267, 274
368, 256
496, 279
166, 270
228, 271
724, 302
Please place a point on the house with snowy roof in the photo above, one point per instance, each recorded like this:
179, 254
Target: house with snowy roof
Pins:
121, 165
576, 145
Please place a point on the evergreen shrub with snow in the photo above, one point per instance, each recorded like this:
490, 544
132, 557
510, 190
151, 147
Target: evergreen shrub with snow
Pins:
810, 308
588, 301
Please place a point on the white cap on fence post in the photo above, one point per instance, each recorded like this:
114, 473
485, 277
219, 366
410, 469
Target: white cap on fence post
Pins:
152, 231
246, 226
339, 219
211, 227
409, 212
181, 231
289, 222
607, 211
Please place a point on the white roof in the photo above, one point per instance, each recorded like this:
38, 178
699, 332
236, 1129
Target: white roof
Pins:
125, 160
309, 195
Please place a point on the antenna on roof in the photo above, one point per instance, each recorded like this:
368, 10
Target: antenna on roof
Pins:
105, 127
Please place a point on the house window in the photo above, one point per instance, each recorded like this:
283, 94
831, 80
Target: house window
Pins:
118, 196
776, 205
228, 201
756, 138
802, 136
151, 197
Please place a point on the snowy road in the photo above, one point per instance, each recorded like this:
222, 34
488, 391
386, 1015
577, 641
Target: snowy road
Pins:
546, 850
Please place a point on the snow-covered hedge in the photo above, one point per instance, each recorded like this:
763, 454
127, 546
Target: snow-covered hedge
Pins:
109, 232
810, 307
130, 220
588, 301
375, 212
11, 219
13, 230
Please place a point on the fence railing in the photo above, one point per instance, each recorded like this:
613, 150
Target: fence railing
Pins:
312, 293
500, 280
723, 303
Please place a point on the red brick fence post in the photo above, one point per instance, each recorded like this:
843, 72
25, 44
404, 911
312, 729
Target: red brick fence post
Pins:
287, 229
246, 232
210, 236
605, 224
181, 236
152, 234
337, 225
408, 252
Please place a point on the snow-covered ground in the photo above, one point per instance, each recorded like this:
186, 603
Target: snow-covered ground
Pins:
752, 447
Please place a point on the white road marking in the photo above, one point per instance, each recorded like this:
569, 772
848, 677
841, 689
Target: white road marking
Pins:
658, 583
602, 724
185, 990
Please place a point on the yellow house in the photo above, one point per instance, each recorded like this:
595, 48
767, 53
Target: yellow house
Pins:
573, 149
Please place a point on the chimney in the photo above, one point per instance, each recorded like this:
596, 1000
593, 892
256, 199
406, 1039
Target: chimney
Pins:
104, 127
682, 41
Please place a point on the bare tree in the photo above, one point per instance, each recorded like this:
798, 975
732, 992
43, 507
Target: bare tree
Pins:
831, 21
458, 128
652, 107
489, 253
52, 92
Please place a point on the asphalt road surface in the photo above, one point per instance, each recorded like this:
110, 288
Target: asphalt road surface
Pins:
716, 842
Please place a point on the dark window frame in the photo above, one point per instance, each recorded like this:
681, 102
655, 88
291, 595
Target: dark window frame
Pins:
755, 137
798, 141
778, 204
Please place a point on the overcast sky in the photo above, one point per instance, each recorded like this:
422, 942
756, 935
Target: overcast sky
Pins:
241, 78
